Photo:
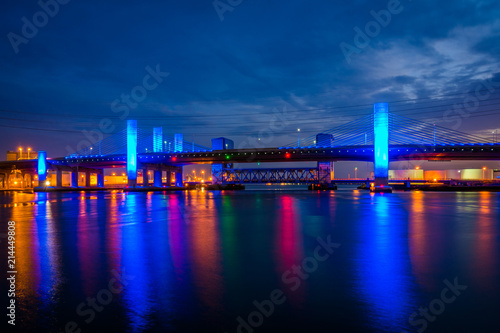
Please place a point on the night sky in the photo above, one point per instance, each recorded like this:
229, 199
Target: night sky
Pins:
232, 69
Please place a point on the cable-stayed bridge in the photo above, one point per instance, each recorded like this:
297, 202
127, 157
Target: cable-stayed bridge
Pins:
379, 138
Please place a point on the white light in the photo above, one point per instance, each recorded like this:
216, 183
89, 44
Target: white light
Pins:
47, 183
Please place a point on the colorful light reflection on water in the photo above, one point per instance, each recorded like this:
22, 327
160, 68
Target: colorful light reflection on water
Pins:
200, 259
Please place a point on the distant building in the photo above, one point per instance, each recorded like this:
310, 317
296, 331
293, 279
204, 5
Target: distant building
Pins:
324, 140
222, 144
21, 155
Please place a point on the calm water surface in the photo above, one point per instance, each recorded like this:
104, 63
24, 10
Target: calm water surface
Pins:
211, 261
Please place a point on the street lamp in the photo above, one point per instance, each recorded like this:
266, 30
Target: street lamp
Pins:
29, 149
203, 174
356, 173
20, 153
484, 169
298, 137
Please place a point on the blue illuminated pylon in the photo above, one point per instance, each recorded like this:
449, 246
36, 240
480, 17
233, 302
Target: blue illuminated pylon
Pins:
157, 139
178, 143
132, 152
381, 142
42, 167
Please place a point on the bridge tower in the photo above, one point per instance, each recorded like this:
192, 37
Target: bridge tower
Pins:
217, 168
132, 152
42, 168
381, 145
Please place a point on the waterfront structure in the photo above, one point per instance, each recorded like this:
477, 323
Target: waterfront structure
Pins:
379, 138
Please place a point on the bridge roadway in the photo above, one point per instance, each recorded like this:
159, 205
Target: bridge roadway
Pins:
282, 154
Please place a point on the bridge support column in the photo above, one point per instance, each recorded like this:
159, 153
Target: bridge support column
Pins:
58, 178
169, 178
24, 183
87, 178
6, 180
157, 178
74, 178
145, 178
217, 173
324, 172
100, 178
178, 178
29, 180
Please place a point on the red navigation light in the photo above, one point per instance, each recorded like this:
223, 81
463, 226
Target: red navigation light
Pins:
287, 155
174, 159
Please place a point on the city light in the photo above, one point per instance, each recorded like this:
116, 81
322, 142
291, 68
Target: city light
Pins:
417, 168
47, 183
287, 155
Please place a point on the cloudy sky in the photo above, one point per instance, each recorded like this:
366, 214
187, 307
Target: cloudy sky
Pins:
235, 67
